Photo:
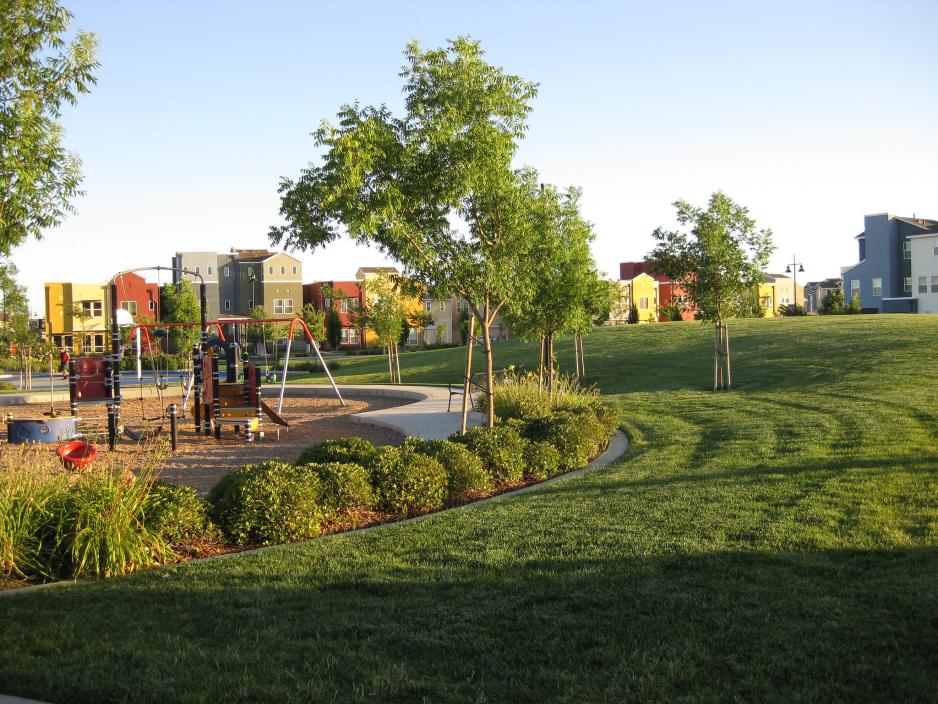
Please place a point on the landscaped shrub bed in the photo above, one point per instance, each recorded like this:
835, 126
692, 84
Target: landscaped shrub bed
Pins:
109, 521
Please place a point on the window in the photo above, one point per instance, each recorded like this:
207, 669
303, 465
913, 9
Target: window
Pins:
283, 270
643, 302
294, 271
907, 284
934, 284
227, 304
130, 307
935, 250
197, 270
270, 270
210, 271
92, 308
442, 306
428, 306
92, 343
353, 304
854, 287
99, 343
278, 306
923, 284
288, 305
250, 303
226, 271
906, 250
349, 336
343, 306
877, 287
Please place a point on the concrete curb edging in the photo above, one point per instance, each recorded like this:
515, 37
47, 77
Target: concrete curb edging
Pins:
618, 446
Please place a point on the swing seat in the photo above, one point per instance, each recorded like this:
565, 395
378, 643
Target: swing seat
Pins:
142, 436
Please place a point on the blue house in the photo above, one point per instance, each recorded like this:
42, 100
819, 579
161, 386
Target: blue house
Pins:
883, 276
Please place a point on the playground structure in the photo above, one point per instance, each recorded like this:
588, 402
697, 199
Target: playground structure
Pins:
215, 402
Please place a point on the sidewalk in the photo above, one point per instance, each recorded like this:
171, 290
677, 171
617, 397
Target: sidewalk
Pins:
425, 418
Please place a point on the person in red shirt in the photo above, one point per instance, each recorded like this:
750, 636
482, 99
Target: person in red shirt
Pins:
64, 358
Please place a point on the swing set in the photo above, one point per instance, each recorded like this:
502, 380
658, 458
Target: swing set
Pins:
235, 401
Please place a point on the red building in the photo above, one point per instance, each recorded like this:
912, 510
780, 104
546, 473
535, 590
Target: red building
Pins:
669, 292
137, 297
351, 301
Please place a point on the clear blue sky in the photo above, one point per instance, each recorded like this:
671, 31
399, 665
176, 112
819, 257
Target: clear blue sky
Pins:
811, 113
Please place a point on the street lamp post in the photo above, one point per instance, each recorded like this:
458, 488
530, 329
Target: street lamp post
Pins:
794, 268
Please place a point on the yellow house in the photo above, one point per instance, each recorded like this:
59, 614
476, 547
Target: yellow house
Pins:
778, 290
412, 303
77, 316
642, 292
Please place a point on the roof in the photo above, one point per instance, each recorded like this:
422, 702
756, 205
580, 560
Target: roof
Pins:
924, 223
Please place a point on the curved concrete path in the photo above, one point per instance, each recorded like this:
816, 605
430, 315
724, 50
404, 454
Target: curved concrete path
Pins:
425, 418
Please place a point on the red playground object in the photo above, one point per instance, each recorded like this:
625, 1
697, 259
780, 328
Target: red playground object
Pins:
76, 454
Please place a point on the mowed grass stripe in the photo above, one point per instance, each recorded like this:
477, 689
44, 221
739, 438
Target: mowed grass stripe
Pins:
776, 543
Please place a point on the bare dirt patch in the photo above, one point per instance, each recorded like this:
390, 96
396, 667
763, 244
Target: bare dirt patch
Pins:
201, 461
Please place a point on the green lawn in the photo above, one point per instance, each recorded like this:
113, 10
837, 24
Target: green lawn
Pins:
775, 543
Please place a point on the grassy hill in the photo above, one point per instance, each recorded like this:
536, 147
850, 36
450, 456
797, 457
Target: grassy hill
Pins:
775, 543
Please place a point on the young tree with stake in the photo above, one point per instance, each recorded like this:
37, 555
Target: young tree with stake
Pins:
718, 261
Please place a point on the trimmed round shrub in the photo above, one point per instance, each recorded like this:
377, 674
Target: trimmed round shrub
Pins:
267, 503
577, 436
180, 516
464, 470
541, 460
342, 486
352, 449
407, 482
501, 450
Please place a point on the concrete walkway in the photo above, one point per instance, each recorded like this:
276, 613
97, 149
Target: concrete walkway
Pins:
425, 418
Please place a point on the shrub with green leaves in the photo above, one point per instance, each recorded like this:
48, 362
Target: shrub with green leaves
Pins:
501, 450
342, 486
180, 516
577, 436
352, 449
464, 470
541, 460
407, 482
267, 503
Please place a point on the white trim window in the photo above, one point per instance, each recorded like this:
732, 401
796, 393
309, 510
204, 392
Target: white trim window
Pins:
294, 271
854, 288
93, 309
934, 284
278, 306
427, 306
283, 270
226, 271
151, 304
287, 306
877, 287
907, 284
907, 250
270, 270
643, 302
343, 305
227, 307
923, 284
935, 248
209, 270
349, 336
130, 307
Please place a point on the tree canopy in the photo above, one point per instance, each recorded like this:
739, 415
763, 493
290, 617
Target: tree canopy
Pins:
435, 188
180, 304
38, 74
718, 260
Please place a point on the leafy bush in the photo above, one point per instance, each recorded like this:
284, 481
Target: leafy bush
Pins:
353, 449
541, 460
501, 450
464, 470
312, 366
7, 386
406, 482
267, 503
577, 436
180, 516
342, 486
791, 310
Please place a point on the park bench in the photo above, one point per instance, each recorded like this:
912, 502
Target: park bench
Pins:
477, 384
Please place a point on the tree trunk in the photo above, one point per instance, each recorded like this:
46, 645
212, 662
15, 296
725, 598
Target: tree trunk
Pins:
489, 368
716, 357
387, 351
466, 381
726, 341
397, 362
582, 358
576, 357
541, 365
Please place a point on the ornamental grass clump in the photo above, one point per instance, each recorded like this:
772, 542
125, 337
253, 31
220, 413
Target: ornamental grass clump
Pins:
407, 482
267, 503
343, 486
351, 449
501, 450
464, 470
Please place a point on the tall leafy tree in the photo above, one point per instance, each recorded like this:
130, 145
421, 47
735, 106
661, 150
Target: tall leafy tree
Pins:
833, 303
561, 271
180, 304
384, 315
333, 328
433, 188
39, 73
316, 322
718, 259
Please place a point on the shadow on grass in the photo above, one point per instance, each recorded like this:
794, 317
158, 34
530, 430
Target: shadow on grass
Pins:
367, 620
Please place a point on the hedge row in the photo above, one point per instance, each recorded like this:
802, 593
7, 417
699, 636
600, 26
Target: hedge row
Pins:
274, 502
